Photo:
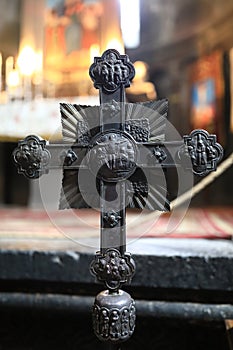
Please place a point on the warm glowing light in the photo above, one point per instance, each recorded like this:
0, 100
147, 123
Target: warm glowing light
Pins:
13, 79
115, 44
94, 52
27, 61
38, 61
141, 70
9, 64
130, 22
140, 84
0, 72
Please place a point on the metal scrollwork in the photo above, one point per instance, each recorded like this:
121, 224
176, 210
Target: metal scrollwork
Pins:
111, 71
203, 150
159, 154
31, 157
138, 129
113, 268
112, 218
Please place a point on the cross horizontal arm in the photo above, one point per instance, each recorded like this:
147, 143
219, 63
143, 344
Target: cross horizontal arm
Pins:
159, 154
198, 151
34, 157
67, 156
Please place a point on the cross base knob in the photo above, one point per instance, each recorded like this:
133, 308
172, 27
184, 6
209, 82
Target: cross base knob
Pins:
114, 316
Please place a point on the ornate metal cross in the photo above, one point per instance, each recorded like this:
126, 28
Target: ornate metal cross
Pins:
115, 156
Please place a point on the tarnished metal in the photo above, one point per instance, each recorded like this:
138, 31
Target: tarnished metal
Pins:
113, 268
204, 151
114, 316
112, 145
31, 157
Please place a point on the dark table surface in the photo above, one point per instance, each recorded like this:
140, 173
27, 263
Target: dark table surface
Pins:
161, 263
46, 293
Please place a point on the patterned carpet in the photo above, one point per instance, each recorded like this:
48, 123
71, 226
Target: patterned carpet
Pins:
205, 223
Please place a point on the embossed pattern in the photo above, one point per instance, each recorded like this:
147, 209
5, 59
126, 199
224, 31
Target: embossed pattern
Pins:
204, 151
114, 155
111, 71
138, 129
112, 268
112, 218
31, 157
114, 316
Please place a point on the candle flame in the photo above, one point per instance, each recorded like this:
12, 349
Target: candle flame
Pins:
116, 44
27, 61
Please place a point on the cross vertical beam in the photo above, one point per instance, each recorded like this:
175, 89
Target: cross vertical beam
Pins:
114, 310
113, 220
111, 73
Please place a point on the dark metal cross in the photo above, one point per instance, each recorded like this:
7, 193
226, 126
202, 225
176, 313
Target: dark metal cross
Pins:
115, 156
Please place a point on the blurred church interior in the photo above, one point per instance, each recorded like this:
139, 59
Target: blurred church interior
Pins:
182, 51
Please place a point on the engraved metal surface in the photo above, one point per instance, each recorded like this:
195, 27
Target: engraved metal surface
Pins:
140, 188
114, 316
111, 71
204, 151
31, 157
112, 108
158, 155
138, 129
114, 156
149, 127
113, 268
83, 133
112, 218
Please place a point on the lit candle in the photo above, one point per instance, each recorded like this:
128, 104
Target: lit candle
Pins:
27, 63
9, 66
38, 74
13, 80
